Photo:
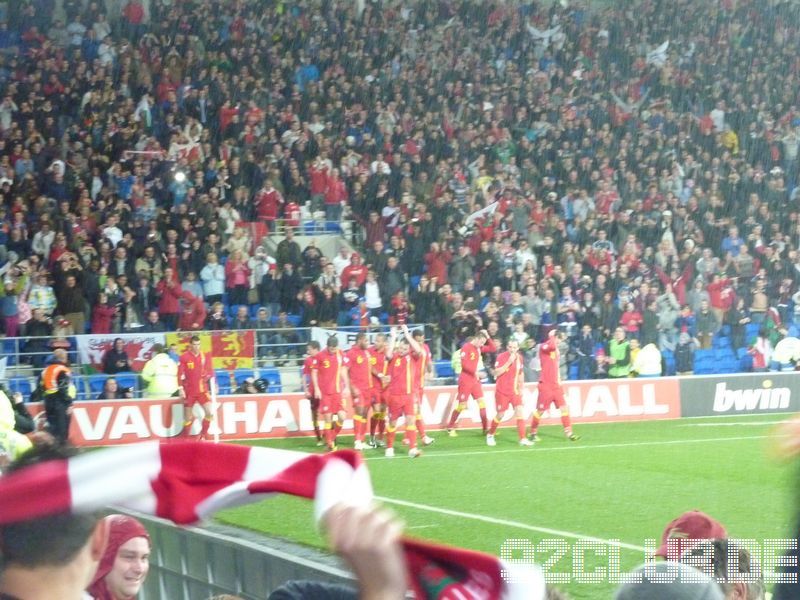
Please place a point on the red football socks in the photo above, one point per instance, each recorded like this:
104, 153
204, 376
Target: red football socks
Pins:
453, 418
521, 428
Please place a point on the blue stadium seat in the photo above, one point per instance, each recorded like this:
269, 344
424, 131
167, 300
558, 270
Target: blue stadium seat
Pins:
443, 368
573, 372
309, 227
413, 281
774, 365
703, 354
223, 378
721, 342
242, 374
725, 330
669, 362
746, 363
23, 385
95, 384
234, 308
273, 377
741, 353
332, 227
10, 350
294, 319
750, 332
223, 386
128, 379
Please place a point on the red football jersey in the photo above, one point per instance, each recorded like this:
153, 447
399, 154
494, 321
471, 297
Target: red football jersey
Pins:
194, 371
470, 355
422, 367
329, 367
307, 361
509, 382
549, 358
359, 368
401, 373
377, 360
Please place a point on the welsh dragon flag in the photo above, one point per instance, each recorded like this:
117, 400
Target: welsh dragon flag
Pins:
189, 481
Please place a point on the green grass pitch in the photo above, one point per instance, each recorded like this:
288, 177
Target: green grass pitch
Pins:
622, 481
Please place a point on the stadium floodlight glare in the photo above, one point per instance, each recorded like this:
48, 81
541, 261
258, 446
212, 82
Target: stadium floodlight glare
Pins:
180, 176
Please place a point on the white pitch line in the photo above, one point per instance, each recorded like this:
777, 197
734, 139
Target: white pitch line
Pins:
537, 449
514, 524
740, 423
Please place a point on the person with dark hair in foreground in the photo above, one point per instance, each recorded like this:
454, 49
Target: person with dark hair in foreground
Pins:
50, 558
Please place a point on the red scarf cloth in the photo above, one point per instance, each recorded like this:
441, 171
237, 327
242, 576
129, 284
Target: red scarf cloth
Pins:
189, 481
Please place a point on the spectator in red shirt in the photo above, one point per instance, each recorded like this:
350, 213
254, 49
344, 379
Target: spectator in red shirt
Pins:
355, 270
631, 320
437, 261
268, 202
169, 292
318, 174
335, 197
193, 313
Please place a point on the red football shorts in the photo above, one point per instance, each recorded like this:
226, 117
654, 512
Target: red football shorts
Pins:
549, 395
363, 397
330, 403
192, 399
469, 386
401, 404
503, 401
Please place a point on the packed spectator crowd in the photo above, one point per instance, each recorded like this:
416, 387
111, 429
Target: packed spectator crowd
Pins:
515, 166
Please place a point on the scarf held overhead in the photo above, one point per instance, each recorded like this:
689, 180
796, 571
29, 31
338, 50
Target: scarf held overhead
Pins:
189, 481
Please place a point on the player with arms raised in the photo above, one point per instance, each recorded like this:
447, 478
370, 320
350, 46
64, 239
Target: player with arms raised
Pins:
509, 378
197, 384
308, 387
550, 390
468, 382
329, 378
377, 362
361, 386
401, 354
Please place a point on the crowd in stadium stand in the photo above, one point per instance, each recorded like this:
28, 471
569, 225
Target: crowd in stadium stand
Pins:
636, 167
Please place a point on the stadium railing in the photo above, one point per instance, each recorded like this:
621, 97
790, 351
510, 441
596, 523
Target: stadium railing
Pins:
192, 562
276, 351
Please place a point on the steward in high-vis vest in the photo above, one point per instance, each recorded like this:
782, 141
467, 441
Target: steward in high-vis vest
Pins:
59, 393
619, 355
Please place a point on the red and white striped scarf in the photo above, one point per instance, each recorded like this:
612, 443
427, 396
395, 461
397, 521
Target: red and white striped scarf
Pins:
188, 481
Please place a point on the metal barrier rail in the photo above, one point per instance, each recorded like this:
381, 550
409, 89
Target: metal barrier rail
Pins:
191, 563
21, 350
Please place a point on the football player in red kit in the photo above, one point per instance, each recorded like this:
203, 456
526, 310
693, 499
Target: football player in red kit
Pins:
468, 382
509, 379
308, 387
361, 386
401, 354
195, 378
377, 362
550, 390
425, 368
329, 376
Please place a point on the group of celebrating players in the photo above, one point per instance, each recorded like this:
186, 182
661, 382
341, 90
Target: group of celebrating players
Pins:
389, 377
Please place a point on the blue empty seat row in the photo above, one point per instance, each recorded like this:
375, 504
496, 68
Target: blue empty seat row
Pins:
443, 368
